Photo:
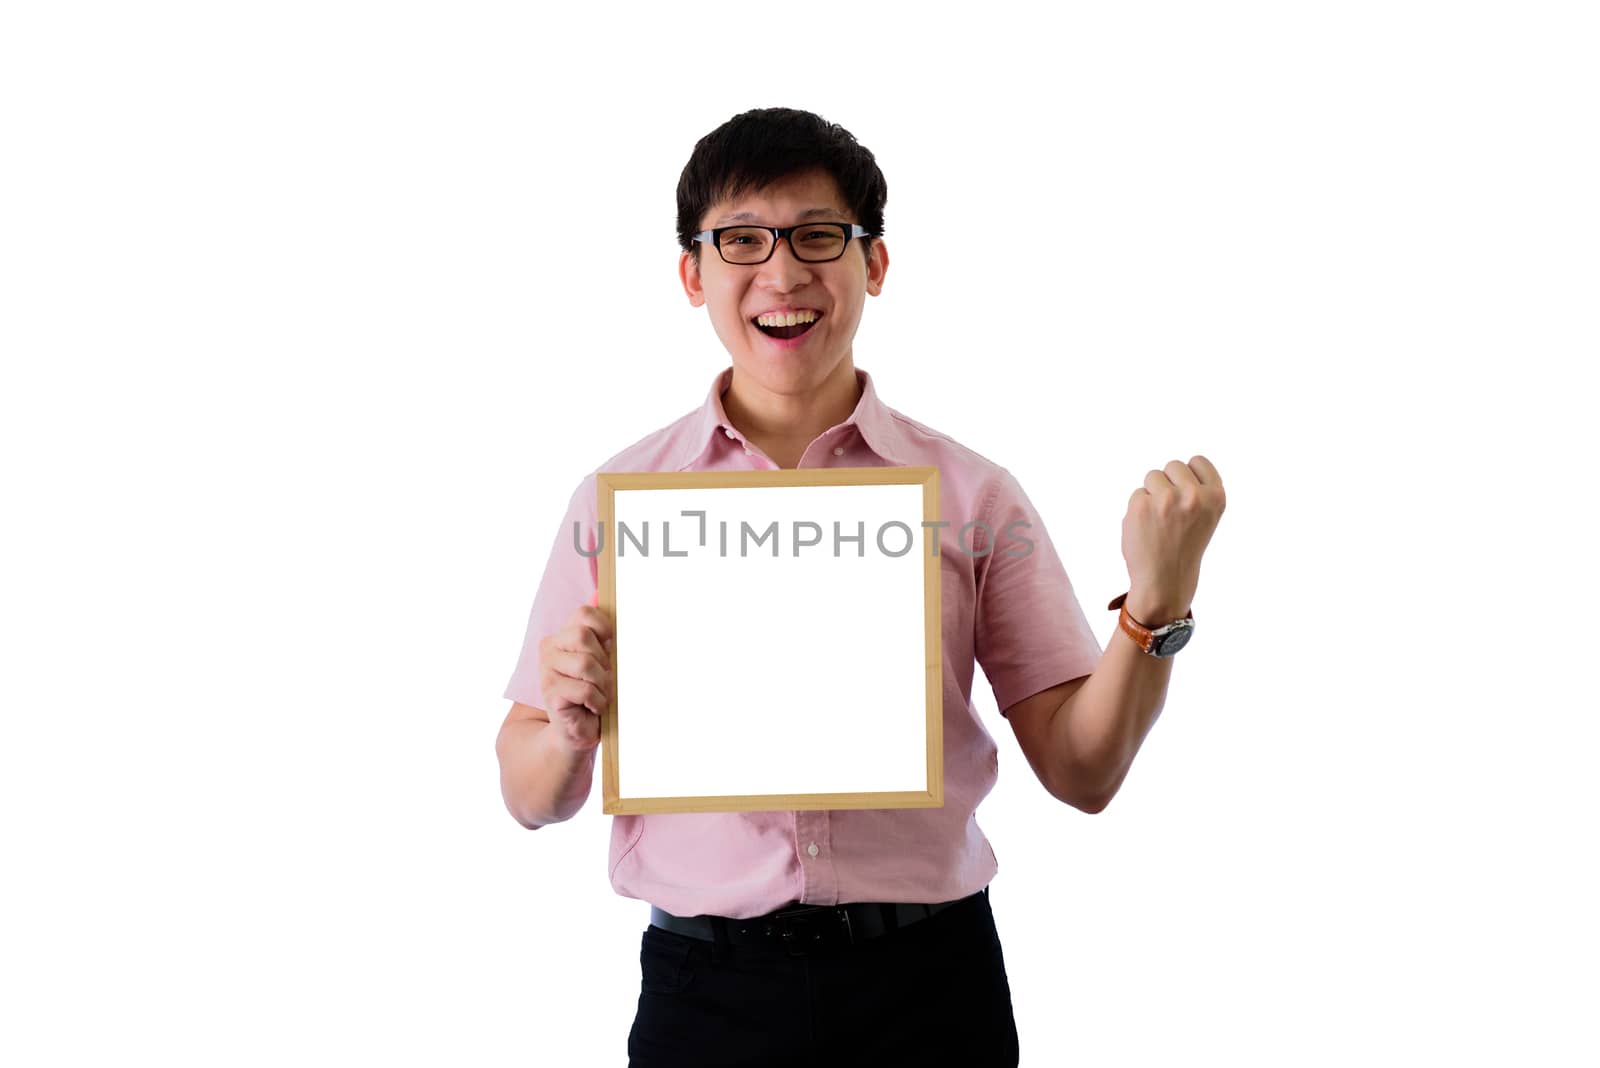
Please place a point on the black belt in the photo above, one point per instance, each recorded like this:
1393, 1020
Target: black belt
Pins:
801, 928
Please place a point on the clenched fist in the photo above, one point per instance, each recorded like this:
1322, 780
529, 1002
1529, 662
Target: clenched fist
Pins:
575, 674
1168, 526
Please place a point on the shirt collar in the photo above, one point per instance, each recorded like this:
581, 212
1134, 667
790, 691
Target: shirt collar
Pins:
873, 420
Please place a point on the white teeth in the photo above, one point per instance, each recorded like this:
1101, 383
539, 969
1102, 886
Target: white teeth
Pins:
792, 319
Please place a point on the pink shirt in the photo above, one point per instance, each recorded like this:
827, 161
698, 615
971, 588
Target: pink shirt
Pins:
1017, 615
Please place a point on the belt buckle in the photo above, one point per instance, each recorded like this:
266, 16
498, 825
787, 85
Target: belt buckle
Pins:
818, 921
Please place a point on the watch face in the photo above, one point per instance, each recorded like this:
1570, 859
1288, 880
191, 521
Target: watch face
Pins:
1174, 640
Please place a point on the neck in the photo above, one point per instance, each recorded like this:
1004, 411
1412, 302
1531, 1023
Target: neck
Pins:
791, 421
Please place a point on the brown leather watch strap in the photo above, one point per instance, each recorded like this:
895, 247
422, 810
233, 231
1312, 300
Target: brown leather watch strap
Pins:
1142, 635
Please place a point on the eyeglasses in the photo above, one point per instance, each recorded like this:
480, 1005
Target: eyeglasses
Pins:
810, 242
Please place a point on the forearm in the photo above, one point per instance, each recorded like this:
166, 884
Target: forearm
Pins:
1098, 731
541, 781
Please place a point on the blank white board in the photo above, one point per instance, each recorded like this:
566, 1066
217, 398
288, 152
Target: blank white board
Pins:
777, 639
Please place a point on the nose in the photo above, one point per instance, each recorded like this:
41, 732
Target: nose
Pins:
784, 270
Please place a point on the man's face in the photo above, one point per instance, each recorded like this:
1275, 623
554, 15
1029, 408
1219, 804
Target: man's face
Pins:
737, 294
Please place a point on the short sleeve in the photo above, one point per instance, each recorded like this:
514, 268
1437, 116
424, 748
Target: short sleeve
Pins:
1030, 632
570, 581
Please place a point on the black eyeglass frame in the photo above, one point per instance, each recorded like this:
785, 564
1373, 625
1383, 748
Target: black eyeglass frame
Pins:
780, 233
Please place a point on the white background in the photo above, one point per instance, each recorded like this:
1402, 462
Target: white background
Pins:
313, 315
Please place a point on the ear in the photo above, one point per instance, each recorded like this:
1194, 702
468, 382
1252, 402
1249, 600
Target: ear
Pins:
877, 267
689, 275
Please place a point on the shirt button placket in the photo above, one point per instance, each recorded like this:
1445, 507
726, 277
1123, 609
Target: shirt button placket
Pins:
816, 869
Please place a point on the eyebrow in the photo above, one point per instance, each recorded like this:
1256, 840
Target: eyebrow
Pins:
750, 216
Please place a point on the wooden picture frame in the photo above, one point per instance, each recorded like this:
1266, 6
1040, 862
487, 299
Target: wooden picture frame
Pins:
756, 669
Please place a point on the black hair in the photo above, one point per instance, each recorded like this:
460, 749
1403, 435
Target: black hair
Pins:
756, 148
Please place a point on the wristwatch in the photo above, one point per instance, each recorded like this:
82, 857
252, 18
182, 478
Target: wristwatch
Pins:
1163, 641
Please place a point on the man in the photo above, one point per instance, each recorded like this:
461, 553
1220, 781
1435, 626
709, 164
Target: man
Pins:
860, 936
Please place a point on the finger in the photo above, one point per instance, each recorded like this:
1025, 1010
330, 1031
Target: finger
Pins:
583, 665
1205, 471
596, 619
584, 732
1181, 476
580, 638
580, 666
1157, 482
577, 694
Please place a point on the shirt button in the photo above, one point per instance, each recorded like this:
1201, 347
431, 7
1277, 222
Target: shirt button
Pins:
838, 451
812, 849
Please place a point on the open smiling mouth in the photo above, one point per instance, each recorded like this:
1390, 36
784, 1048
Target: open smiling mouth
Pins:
787, 333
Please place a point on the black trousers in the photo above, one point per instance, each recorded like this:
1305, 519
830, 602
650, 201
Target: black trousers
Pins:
932, 993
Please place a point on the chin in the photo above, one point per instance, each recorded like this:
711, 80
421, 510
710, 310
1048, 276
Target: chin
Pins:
785, 367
